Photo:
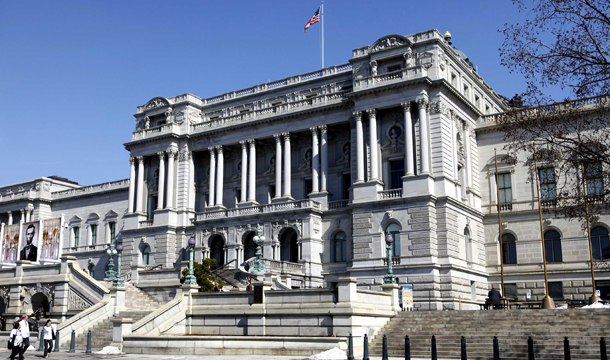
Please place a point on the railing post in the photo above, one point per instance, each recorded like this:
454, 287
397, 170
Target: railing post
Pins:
384, 348
41, 340
530, 348
56, 349
366, 348
350, 348
602, 348
72, 342
566, 349
88, 351
464, 355
434, 355
407, 348
496, 349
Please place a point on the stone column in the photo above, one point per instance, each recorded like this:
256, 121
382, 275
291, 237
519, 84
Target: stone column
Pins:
212, 179
191, 184
244, 170
161, 184
27, 214
409, 165
467, 160
373, 144
424, 142
171, 157
287, 165
22, 216
278, 165
10, 218
323, 157
220, 173
315, 160
140, 186
132, 184
359, 147
252, 172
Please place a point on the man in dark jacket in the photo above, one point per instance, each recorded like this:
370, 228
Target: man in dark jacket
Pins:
493, 297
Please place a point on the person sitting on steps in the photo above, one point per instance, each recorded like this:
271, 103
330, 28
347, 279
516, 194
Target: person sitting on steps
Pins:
493, 298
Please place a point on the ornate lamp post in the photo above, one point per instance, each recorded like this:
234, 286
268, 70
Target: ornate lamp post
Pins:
389, 278
190, 279
259, 239
118, 280
110, 274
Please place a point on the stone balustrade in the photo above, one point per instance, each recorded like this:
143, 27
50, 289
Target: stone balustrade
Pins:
338, 204
260, 209
16, 195
392, 77
91, 189
283, 267
155, 131
389, 194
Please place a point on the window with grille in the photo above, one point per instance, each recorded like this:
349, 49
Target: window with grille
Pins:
548, 184
506, 191
509, 249
552, 246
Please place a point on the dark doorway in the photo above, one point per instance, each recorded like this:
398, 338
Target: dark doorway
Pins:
249, 246
217, 251
289, 248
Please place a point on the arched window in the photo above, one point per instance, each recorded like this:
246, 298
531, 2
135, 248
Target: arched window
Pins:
340, 247
146, 255
552, 246
394, 230
509, 249
600, 243
468, 245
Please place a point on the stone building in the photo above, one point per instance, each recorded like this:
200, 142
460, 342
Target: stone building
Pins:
327, 163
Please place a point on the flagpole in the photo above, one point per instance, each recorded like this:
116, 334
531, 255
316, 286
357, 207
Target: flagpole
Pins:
500, 225
322, 19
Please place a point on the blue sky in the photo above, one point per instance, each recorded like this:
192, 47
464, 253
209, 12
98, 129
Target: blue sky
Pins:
73, 72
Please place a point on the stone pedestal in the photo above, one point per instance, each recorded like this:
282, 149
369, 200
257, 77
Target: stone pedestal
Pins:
320, 197
119, 295
121, 327
366, 191
247, 204
393, 290
165, 216
132, 221
348, 289
282, 199
417, 185
135, 273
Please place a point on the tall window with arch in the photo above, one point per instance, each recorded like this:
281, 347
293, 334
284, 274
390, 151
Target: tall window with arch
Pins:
468, 245
552, 246
394, 230
146, 255
509, 249
600, 243
340, 247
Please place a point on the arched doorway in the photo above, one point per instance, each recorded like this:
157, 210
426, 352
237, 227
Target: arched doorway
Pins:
249, 246
40, 302
289, 249
217, 251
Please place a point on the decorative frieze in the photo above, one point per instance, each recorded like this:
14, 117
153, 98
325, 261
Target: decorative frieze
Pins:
77, 301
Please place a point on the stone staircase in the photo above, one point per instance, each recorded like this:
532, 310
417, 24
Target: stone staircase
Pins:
138, 303
235, 278
512, 327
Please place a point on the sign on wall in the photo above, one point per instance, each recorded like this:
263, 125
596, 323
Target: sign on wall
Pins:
406, 297
50, 241
28, 249
10, 244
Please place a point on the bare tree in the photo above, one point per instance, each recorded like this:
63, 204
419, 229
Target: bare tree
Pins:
562, 43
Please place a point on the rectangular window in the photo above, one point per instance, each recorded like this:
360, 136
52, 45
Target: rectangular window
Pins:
548, 184
595, 179
340, 250
511, 291
552, 250
477, 102
112, 227
556, 290
76, 232
394, 68
397, 171
453, 80
93, 235
347, 183
473, 290
466, 91
237, 195
308, 187
487, 109
506, 192
510, 253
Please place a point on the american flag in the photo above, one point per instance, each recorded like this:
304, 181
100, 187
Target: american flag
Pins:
314, 19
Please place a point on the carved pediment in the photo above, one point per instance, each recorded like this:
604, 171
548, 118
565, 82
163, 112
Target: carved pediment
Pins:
156, 103
389, 41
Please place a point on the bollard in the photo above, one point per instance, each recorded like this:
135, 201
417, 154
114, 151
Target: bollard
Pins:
434, 355
384, 348
566, 349
464, 354
602, 349
41, 341
530, 348
56, 349
88, 351
496, 349
72, 342
366, 348
407, 348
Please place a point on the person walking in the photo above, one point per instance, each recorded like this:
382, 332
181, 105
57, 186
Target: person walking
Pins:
25, 333
16, 341
49, 336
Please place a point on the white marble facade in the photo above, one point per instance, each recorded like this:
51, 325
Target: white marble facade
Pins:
326, 163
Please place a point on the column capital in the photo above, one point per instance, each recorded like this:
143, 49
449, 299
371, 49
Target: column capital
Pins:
358, 115
244, 144
252, 142
132, 160
286, 136
10, 212
406, 106
172, 152
323, 129
140, 158
423, 103
161, 154
314, 130
219, 149
371, 112
211, 150
278, 137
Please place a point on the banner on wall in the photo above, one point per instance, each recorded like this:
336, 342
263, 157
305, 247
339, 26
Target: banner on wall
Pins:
28, 248
50, 241
10, 244
406, 297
